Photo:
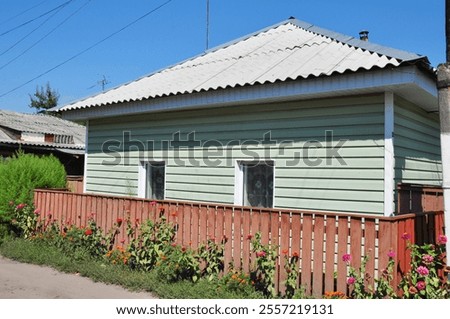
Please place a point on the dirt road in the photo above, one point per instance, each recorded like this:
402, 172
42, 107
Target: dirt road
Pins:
25, 281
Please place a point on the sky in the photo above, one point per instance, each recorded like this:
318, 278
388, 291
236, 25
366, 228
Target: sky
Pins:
81, 47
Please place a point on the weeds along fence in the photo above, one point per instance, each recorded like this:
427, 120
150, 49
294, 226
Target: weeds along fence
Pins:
319, 238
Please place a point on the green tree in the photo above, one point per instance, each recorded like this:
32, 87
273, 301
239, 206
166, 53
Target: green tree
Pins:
44, 99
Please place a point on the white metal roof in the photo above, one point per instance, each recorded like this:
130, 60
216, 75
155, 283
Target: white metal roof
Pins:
287, 51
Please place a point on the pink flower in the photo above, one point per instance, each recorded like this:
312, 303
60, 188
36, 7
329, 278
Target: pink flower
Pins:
391, 254
20, 206
422, 270
442, 240
406, 236
427, 259
347, 258
351, 280
122, 241
119, 221
421, 285
37, 211
261, 253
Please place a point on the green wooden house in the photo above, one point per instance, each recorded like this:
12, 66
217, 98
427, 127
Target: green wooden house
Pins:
292, 116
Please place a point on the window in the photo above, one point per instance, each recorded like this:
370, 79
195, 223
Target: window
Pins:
255, 184
155, 180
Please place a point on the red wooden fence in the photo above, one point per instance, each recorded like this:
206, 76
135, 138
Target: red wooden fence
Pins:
320, 238
413, 198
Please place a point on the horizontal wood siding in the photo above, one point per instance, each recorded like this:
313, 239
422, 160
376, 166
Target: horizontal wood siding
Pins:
205, 172
417, 145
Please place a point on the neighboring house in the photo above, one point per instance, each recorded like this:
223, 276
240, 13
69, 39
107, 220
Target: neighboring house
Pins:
292, 116
43, 135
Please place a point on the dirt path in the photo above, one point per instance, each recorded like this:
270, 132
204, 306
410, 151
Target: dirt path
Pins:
26, 281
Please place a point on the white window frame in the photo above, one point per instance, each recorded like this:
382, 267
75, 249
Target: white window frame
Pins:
142, 177
239, 181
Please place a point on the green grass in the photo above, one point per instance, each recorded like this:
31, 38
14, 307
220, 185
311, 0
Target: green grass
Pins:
102, 271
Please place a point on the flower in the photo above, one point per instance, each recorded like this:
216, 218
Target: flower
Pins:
427, 259
391, 254
173, 214
183, 249
119, 221
37, 211
442, 239
88, 232
249, 236
347, 258
421, 285
20, 206
122, 241
351, 280
412, 290
422, 270
295, 254
406, 236
285, 251
153, 203
261, 253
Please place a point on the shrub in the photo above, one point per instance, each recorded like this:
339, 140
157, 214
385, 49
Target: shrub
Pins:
21, 174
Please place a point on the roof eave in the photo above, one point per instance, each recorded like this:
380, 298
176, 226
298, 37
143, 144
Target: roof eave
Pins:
406, 81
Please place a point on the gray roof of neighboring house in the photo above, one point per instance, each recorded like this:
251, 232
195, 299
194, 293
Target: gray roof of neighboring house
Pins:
39, 123
289, 50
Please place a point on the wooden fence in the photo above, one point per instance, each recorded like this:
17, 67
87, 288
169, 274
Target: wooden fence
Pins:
413, 198
319, 238
75, 183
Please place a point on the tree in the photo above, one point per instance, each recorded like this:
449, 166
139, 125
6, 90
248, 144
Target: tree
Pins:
44, 99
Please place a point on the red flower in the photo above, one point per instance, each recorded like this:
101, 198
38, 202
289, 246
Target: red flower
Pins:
285, 251
173, 214
88, 232
249, 236
183, 249
391, 254
119, 221
261, 253
122, 241
20, 206
406, 236
347, 258
295, 254
442, 240
37, 211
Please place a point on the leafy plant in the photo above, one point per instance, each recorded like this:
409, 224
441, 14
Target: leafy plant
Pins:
21, 174
291, 268
180, 263
264, 270
423, 280
212, 255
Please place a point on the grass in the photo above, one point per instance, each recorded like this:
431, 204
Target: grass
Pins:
103, 271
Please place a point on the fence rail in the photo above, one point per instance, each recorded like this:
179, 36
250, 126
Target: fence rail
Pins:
319, 238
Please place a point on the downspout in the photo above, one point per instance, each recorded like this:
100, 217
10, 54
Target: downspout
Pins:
443, 85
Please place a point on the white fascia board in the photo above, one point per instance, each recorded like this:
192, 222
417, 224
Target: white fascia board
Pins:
401, 81
86, 151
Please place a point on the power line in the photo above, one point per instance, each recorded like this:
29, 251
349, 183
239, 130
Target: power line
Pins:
34, 19
23, 12
30, 33
87, 49
45, 36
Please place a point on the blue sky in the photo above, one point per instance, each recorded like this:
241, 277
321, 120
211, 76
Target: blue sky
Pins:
33, 42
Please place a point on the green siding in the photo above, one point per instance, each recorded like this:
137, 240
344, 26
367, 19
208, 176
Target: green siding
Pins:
417, 145
356, 186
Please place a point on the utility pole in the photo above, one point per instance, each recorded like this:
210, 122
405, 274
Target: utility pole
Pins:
207, 24
443, 85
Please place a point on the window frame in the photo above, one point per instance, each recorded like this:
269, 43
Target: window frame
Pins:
239, 180
143, 180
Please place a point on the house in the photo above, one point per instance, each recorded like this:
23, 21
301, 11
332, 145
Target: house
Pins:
292, 116
42, 135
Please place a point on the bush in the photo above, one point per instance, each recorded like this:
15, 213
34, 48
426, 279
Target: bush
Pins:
21, 174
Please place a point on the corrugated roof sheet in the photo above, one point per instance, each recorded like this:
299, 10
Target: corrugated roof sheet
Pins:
44, 124
287, 51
